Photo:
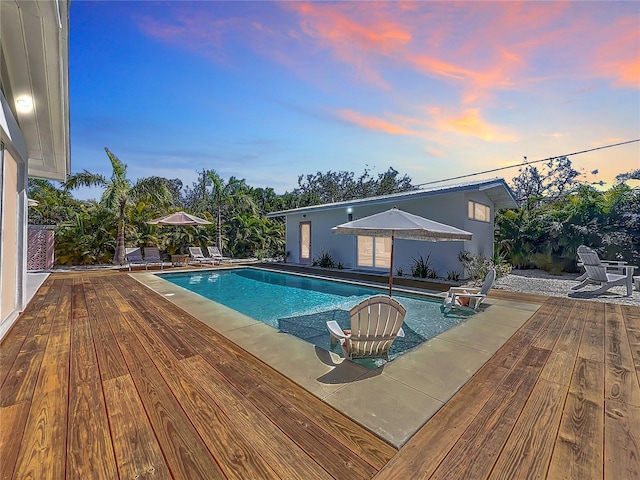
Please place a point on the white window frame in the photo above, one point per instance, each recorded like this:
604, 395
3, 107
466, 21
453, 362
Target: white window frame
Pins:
374, 253
474, 210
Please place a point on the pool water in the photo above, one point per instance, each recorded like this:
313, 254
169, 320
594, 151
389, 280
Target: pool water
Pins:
301, 305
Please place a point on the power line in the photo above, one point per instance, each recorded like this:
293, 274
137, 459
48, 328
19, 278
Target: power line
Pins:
528, 163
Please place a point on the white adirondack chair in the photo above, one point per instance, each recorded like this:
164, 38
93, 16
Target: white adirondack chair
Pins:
469, 298
375, 323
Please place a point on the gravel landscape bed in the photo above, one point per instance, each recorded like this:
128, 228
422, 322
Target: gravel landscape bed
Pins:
542, 283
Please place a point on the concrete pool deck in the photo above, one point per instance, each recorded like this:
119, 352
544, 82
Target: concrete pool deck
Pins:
393, 401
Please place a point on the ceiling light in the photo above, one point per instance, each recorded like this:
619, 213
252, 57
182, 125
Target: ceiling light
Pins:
24, 104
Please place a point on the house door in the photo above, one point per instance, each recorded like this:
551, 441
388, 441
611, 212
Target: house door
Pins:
305, 242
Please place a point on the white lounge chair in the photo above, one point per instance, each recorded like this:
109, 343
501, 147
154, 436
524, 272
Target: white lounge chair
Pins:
196, 256
596, 273
152, 256
133, 256
214, 252
375, 323
469, 298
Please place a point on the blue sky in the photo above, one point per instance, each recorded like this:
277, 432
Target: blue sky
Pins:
267, 91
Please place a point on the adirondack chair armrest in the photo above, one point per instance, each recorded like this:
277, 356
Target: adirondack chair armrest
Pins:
463, 290
469, 294
336, 335
336, 331
611, 265
629, 269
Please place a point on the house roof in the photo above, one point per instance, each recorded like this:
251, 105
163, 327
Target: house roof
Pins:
496, 189
34, 62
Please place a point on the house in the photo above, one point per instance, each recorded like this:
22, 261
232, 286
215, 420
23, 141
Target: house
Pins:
34, 128
469, 206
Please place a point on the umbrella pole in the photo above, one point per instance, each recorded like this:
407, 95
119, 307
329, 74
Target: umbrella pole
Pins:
391, 266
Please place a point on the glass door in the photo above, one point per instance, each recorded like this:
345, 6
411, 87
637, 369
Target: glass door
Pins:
305, 242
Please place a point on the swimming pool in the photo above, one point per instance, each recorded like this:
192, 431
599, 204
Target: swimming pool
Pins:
302, 305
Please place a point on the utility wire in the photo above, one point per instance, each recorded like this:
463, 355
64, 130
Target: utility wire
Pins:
527, 163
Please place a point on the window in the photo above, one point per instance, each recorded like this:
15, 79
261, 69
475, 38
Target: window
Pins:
374, 252
480, 212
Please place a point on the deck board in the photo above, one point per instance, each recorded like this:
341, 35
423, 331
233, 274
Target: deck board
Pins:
578, 449
233, 452
491, 427
43, 452
89, 450
103, 378
137, 451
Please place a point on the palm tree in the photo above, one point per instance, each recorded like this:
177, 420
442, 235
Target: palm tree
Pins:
54, 206
225, 197
119, 193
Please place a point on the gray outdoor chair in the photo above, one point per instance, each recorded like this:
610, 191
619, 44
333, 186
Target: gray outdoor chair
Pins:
133, 256
596, 272
153, 257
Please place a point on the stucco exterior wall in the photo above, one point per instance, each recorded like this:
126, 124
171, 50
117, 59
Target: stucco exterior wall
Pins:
449, 208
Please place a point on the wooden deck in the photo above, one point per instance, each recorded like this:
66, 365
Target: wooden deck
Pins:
102, 378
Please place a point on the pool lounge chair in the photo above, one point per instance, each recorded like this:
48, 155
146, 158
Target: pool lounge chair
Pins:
196, 256
214, 252
596, 272
469, 298
152, 256
133, 256
375, 323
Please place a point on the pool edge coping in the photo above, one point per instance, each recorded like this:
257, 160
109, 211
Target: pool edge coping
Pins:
409, 399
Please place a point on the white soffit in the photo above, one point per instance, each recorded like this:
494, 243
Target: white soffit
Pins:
34, 41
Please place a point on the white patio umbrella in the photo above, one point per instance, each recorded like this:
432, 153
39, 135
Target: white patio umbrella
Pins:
179, 218
396, 223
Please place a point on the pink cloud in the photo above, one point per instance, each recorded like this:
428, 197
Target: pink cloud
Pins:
434, 127
434, 152
479, 47
475, 48
619, 55
373, 123
470, 123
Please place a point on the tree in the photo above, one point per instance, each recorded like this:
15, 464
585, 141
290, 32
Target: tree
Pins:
532, 186
226, 197
632, 175
548, 234
54, 206
119, 193
333, 187
210, 193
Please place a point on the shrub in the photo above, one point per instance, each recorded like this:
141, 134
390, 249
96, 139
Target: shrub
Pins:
453, 275
478, 265
421, 267
325, 260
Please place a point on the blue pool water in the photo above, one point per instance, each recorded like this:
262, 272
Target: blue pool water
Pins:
301, 305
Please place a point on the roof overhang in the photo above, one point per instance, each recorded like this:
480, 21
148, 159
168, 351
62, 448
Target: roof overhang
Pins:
34, 63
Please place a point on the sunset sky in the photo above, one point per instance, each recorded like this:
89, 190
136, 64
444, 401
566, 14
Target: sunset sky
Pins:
267, 91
